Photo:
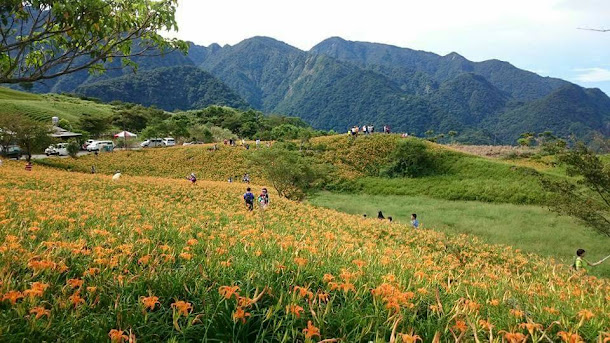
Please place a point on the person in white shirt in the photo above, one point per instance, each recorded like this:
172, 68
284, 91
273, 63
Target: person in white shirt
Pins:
116, 176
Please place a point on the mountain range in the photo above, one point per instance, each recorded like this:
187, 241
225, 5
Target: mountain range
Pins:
340, 83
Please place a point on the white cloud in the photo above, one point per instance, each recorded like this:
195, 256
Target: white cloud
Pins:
593, 75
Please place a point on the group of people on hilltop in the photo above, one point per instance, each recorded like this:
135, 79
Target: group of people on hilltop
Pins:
244, 144
366, 130
263, 199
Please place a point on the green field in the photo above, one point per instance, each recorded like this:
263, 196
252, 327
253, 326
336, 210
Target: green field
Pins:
530, 228
44, 107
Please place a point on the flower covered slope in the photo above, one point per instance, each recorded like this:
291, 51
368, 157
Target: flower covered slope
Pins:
83, 258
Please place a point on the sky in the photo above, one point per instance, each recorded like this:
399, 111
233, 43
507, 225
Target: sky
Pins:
543, 36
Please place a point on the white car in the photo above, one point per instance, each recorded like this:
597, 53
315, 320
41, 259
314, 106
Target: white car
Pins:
51, 150
87, 143
60, 149
152, 143
100, 145
168, 141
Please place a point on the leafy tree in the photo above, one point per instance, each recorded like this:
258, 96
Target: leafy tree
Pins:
590, 203
291, 174
94, 124
411, 158
48, 38
285, 132
30, 135
73, 148
526, 139
132, 119
452, 135
201, 133
65, 124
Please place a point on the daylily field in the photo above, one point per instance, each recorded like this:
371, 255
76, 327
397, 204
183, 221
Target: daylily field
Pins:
85, 259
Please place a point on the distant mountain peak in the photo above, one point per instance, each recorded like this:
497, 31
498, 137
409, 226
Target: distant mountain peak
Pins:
266, 41
455, 56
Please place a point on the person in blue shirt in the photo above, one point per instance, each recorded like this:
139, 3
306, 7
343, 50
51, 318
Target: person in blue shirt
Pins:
414, 221
249, 199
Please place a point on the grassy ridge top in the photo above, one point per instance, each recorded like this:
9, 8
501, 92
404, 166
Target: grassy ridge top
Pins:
357, 164
98, 260
44, 107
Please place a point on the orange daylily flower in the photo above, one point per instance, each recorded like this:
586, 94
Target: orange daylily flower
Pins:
460, 325
40, 311
409, 338
311, 330
37, 289
514, 337
150, 302
486, 325
117, 336
228, 291
568, 337
585, 314
240, 314
294, 309
183, 307
12, 296
76, 299
75, 283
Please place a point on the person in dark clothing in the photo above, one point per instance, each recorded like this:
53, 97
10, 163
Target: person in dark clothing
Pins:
249, 199
380, 215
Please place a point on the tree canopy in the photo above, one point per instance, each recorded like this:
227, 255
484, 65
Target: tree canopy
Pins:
48, 38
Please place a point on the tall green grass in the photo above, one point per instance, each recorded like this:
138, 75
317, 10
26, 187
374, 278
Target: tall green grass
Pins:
530, 228
44, 107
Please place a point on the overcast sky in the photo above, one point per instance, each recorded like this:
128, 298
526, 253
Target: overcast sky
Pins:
537, 35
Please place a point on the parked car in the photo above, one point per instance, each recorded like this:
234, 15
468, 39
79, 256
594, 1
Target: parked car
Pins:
62, 149
51, 150
152, 143
87, 143
168, 141
12, 151
101, 145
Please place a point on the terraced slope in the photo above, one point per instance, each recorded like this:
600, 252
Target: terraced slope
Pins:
44, 107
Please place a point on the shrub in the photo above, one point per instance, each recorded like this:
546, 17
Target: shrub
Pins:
73, 148
291, 174
411, 158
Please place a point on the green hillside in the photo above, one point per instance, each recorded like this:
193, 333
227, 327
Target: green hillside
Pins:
171, 88
44, 107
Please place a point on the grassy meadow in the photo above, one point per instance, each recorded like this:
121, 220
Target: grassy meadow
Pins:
532, 229
84, 258
42, 107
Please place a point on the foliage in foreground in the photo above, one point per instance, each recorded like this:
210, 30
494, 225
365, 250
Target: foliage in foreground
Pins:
159, 259
592, 204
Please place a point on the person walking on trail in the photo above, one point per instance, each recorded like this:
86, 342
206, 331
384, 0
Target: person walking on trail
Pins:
414, 221
249, 199
192, 178
580, 263
246, 178
263, 199
93, 169
380, 215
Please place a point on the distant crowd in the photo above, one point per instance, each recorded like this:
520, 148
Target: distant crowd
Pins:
366, 130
